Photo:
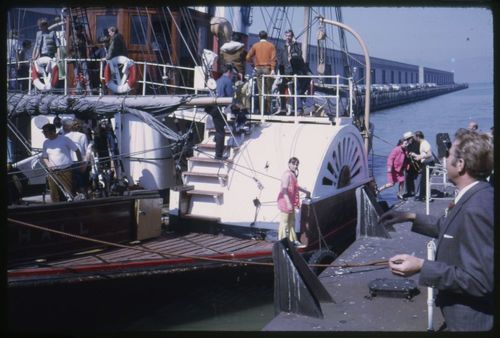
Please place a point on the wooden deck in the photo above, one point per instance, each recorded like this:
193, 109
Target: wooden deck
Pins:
167, 254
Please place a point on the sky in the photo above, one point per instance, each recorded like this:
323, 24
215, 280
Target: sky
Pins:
452, 39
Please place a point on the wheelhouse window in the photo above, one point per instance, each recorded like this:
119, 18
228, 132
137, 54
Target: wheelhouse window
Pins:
139, 29
103, 22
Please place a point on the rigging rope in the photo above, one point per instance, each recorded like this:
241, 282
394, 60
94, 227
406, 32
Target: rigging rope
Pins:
383, 262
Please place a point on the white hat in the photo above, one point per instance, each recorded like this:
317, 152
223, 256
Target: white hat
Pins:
407, 135
68, 121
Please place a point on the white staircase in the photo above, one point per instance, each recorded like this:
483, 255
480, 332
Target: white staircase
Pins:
209, 178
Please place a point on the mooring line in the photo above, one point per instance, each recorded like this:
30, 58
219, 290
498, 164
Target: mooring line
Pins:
204, 258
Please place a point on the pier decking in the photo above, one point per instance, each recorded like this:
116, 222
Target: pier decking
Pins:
354, 309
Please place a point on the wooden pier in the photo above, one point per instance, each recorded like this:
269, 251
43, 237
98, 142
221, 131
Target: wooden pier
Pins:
355, 309
383, 100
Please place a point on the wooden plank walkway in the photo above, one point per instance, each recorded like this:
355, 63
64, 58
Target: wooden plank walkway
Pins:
168, 252
355, 309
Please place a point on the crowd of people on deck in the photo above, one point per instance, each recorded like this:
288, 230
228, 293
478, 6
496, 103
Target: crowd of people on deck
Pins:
407, 163
262, 56
51, 43
463, 270
266, 60
78, 157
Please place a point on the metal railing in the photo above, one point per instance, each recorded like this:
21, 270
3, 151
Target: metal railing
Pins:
440, 172
314, 79
165, 72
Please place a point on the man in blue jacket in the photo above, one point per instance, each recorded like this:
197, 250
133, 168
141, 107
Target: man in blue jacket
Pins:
224, 89
463, 269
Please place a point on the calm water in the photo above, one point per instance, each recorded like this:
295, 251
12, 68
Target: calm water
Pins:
240, 300
442, 114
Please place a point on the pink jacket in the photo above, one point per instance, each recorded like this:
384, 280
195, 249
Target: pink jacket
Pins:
396, 159
292, 191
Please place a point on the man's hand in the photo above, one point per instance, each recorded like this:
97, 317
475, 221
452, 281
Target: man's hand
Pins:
392, 217
405, 265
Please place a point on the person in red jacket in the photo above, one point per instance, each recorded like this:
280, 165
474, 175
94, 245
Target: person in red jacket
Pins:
288, 201
395, 168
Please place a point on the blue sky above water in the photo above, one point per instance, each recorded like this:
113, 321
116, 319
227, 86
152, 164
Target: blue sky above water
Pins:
452, 39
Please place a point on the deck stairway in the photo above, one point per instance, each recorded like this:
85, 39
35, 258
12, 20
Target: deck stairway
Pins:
209, 176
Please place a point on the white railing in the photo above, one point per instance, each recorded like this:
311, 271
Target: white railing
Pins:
439, 171
163, 69
165, 72
336, 88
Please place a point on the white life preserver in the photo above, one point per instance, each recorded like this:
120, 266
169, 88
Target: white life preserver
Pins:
120, 84
45, 73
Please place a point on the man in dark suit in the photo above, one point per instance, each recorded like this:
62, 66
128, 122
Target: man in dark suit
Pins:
463, 269
291, 63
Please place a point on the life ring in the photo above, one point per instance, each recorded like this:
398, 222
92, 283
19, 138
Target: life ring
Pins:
125, 83
45, 69
323, 256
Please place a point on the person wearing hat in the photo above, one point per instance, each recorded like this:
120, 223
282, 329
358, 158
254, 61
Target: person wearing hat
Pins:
413, 167
46, 42
56, 156
425, 159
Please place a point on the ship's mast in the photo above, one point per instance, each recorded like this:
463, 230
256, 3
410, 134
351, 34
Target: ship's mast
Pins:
306, 36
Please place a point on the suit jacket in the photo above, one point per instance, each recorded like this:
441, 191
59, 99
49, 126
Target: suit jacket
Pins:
463, 269
285, 56
116, 47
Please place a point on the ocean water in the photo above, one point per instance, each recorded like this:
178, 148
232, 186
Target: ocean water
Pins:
241, 300
442, 114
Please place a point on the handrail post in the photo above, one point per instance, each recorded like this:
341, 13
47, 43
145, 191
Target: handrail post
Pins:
295, 96
261, 101
253, 95
30, 75
66, 77
427, 190
144, 79
367, 75
337, 99
350, 96
100, 77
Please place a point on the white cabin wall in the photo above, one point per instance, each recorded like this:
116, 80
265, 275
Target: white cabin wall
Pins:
143, 142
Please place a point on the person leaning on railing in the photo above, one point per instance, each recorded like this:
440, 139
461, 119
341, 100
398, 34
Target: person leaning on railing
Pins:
262, 56
46, 42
